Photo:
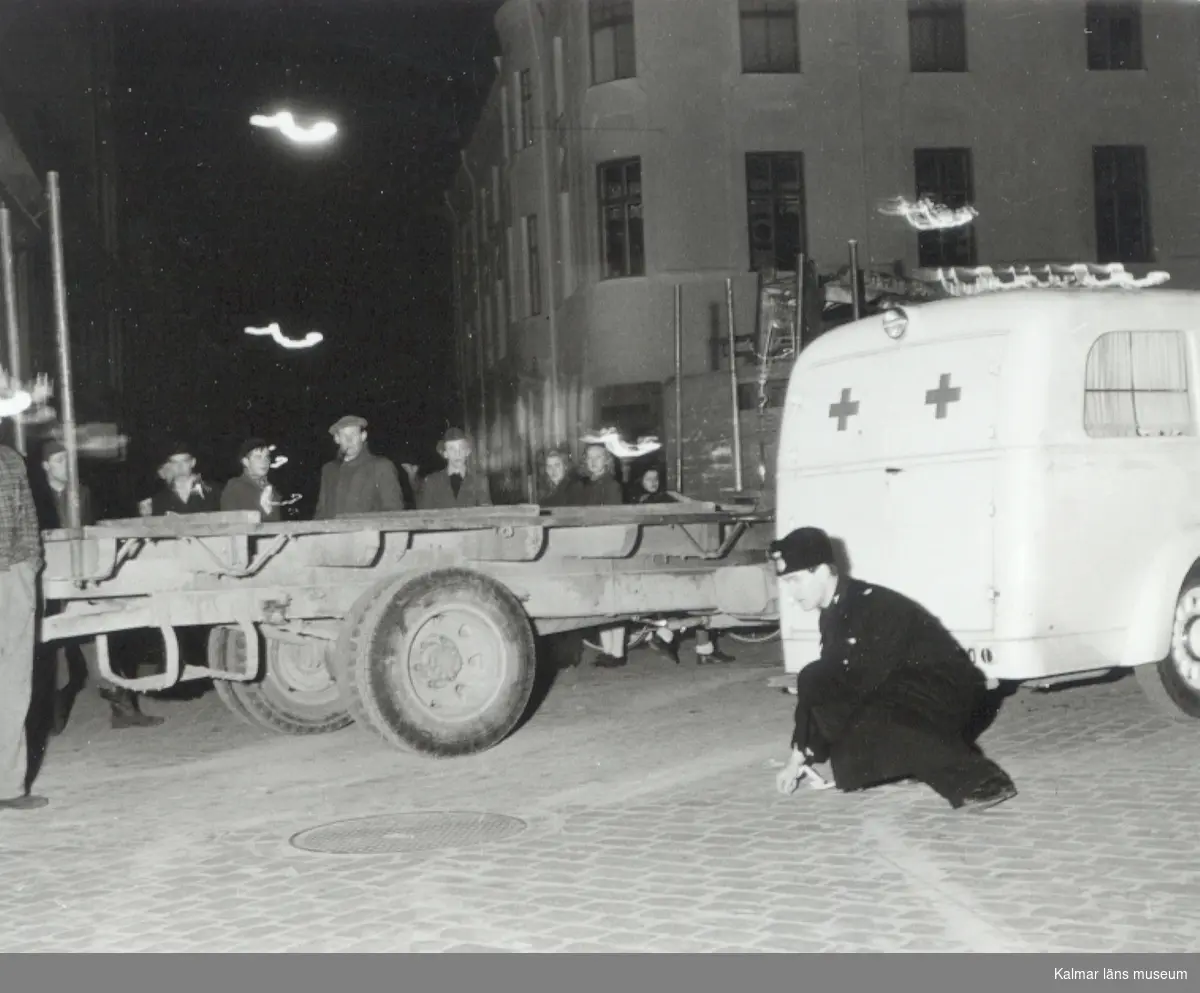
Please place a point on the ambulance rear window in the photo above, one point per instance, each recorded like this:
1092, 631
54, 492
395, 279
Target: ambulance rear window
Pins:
1137, 386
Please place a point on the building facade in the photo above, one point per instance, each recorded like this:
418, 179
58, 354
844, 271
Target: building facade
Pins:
629, 147
56, 77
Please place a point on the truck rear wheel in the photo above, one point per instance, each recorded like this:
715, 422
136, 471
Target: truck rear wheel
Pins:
295, 694
223, 656
442, 664
1173, 684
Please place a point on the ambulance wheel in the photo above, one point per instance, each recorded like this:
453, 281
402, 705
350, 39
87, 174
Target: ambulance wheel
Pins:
294, 694
1173, 684
442, 664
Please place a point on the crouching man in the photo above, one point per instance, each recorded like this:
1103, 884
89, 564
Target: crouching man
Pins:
892, 695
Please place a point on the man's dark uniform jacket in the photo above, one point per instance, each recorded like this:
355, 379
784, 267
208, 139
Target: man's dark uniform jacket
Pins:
892, 692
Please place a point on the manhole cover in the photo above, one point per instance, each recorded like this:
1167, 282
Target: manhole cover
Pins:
384, 834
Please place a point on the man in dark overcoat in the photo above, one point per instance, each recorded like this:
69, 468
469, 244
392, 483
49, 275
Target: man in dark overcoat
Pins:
358, 482
892, 695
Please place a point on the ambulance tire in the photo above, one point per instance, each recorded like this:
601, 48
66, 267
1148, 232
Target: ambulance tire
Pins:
442, 664
1163, 682
294, 694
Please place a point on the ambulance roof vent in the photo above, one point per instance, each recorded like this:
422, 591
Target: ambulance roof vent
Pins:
964, 282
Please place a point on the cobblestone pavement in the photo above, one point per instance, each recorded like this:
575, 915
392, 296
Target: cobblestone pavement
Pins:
652, 824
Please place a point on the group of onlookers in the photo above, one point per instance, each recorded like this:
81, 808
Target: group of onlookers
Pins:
356, 482
594, 485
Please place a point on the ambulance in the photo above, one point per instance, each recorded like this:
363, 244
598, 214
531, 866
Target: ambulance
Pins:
1025, 464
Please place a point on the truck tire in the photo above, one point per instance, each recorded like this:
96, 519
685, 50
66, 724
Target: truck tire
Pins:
222, 655
442, 664
342, 657
295, 694
1173, 684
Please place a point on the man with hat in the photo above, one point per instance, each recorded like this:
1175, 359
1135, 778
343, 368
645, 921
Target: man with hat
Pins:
455, 486
892, 695
185, 492
252, 490
358, 482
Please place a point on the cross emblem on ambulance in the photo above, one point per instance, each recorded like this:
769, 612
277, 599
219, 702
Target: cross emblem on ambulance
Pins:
843, 410
941, 398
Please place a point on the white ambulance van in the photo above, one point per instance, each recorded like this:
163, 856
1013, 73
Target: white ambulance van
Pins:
1026, 464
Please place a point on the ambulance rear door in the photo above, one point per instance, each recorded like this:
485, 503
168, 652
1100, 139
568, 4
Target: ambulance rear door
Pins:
893, 450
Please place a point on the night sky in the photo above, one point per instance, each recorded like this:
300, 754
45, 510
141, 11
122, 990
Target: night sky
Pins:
233, 226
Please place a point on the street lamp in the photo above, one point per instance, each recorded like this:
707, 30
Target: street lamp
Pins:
318, 133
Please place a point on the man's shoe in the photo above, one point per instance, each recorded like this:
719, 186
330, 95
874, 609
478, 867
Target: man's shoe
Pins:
987, 795
124, 717
715, 657
608, 662
27, 802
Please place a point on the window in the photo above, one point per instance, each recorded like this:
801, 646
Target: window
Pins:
1122, 204
775, 209
1137, 386
527, 133
770, 40
622, 248
566, 251
776, 392
533, 265
937, 36
944, 175
1114, 35
613, 55
510, 258
559, 83
634, 409
504, 125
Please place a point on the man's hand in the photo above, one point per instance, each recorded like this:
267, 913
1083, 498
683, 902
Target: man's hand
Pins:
798, 770
787, 781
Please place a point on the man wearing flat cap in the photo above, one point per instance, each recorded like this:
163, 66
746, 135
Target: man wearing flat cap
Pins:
252, 490
456, 485
892, 695
358, 482
186, 491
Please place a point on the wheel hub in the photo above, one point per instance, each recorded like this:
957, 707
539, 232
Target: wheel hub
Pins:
439, 662
454, 663
300, 669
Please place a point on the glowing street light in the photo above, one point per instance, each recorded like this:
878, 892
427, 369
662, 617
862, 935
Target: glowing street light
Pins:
317, 133
928, 215
611, 439
272, 330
